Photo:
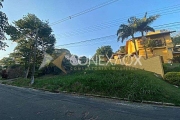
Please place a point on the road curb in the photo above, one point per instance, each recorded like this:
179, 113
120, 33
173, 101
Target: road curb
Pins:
116, 98
100, 96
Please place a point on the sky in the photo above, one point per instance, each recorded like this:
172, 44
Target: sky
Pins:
98, 23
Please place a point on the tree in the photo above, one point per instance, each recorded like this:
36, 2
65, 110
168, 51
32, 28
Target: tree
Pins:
126, 31
7, 61
143, 26
105, 51
122, 49
33, 37
83, 59
23, 54
176, 40
3, 24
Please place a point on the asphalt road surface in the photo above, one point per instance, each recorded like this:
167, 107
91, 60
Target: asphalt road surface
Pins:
28, 104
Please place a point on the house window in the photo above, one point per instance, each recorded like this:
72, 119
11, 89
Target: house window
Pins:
157, 43
169, 49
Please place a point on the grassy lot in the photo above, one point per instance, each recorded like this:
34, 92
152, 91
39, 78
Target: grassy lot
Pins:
130, 84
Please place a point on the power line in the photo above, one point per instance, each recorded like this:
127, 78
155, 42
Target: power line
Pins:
100, 42
164, 11
171, 9
95, 28
84, 12
91, 44
103, 39
109, 36
169, 25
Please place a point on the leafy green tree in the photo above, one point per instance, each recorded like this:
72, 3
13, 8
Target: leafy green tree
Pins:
33, 37
23, 54
143, 26
3, 24
122, 49
176, 40
105, 51
7, 62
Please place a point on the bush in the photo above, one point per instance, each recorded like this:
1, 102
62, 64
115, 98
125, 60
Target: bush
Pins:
4, 74
176, 59
15, 71
175, 67
173, 78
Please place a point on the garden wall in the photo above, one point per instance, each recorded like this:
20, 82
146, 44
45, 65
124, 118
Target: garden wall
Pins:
153, 64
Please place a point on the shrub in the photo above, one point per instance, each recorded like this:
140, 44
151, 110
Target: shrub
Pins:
4, 74
173, 78
176, 59
15, 71
171, 68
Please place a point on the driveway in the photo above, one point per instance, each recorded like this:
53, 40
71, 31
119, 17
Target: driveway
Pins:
28, 104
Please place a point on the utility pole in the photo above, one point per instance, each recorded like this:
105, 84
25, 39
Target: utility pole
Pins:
34, 57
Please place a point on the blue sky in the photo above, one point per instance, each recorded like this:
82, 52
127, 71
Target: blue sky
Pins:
98, 23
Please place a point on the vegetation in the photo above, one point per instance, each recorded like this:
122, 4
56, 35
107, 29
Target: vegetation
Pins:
4, 74
136, 25
83, 59
125, 31
173, 78
33, 37
3, 24
174, 67
104, 52
143, 26
176, 40
122, 49
176, 59
7, 61
123, 83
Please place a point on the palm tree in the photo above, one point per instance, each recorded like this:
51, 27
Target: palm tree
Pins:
143, 26
1, 3
125, 31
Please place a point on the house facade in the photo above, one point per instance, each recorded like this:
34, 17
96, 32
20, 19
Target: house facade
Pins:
159, 43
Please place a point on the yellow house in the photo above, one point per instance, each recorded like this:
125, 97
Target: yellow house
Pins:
162, 45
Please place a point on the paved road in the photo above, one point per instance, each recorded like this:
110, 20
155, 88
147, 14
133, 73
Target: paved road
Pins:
28, 104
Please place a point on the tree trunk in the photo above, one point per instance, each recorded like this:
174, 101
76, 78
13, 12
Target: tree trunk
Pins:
34, 59
29, 60
135, 45
27, 72
144, 45
145, 52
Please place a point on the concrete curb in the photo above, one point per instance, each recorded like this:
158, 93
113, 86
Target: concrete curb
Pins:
115, 98
101, 96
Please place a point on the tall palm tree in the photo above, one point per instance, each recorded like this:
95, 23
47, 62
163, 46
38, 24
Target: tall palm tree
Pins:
143, 26
126, 31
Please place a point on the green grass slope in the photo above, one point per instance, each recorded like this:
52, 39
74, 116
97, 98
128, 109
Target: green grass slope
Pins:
130, 84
